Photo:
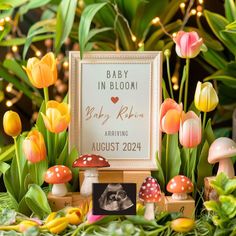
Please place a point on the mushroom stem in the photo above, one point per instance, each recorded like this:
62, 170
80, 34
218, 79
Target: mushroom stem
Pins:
179, 196
226, 166
90, 177
59, 190
149, 211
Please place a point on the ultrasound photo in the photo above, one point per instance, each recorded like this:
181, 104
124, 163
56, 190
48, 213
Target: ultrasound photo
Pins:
114, 199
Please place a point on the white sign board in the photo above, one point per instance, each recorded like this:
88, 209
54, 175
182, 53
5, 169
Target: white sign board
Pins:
115, 100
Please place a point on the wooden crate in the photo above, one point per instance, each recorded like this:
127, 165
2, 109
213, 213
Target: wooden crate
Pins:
187, 207
71, 199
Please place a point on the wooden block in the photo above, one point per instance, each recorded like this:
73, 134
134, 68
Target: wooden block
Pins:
187, 207
58, 203
209, 192
118, 176
135, 177
78, 200
160, 206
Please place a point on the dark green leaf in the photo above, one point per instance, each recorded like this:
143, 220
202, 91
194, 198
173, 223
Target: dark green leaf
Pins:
69, 162
204, 169
65, 19
159, 175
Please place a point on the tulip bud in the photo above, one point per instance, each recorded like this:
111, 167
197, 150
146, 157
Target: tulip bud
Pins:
26, 224
57, 225
205, 98
42, 73
12, 123
182, 225
190, 132
93, 218
170, 113
188, 44
57, 116
34, 147
74, 215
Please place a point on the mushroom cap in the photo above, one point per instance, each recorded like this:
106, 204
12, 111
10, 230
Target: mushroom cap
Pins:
221, 148
180, 184
58, 174
90, 161
150, 190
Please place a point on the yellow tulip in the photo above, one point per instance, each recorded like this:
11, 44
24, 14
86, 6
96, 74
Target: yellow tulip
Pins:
74, 215
57, 116
12, 123
56, 225
42, 73
182, 225
205, 98
21, 227
34, 147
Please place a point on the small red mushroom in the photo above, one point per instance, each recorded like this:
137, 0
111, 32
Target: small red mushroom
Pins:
180, 185
90, 162
58, 175
150, 193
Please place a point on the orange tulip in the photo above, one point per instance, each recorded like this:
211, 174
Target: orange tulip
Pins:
57, 116
190, 133
170, 113
12, 123
34, 147
42, 73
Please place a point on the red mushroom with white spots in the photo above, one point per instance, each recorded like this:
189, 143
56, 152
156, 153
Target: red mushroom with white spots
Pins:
180, 186
150, 193
58, 175
90, 162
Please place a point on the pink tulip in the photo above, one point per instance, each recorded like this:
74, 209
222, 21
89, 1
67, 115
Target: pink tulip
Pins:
188, 44
170, 113
190, 132
93, 218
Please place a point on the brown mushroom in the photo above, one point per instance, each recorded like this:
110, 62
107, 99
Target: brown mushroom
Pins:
221, 150
150, 193
180, 185
90, 162
58, 175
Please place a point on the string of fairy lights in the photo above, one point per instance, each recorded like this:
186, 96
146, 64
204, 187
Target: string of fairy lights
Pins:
13, 96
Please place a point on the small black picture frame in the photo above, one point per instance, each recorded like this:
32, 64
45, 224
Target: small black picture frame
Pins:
114, 199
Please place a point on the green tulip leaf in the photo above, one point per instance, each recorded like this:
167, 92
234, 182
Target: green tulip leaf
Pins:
37, 201
65, 19
85, 22
32, 5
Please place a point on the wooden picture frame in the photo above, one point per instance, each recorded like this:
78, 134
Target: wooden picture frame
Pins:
115, 99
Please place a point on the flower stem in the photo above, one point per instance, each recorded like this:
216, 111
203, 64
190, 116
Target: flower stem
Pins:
55, 145
188, 168
186, 85
167, 155
46, 96
204, 121
36, 173
17, 161
46, 99
169, 78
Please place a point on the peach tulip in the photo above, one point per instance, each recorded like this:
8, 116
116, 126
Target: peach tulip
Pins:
34, 147
188, 44
190, 132
12, 123
205, 98
57, 116
42, 73
170, 113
